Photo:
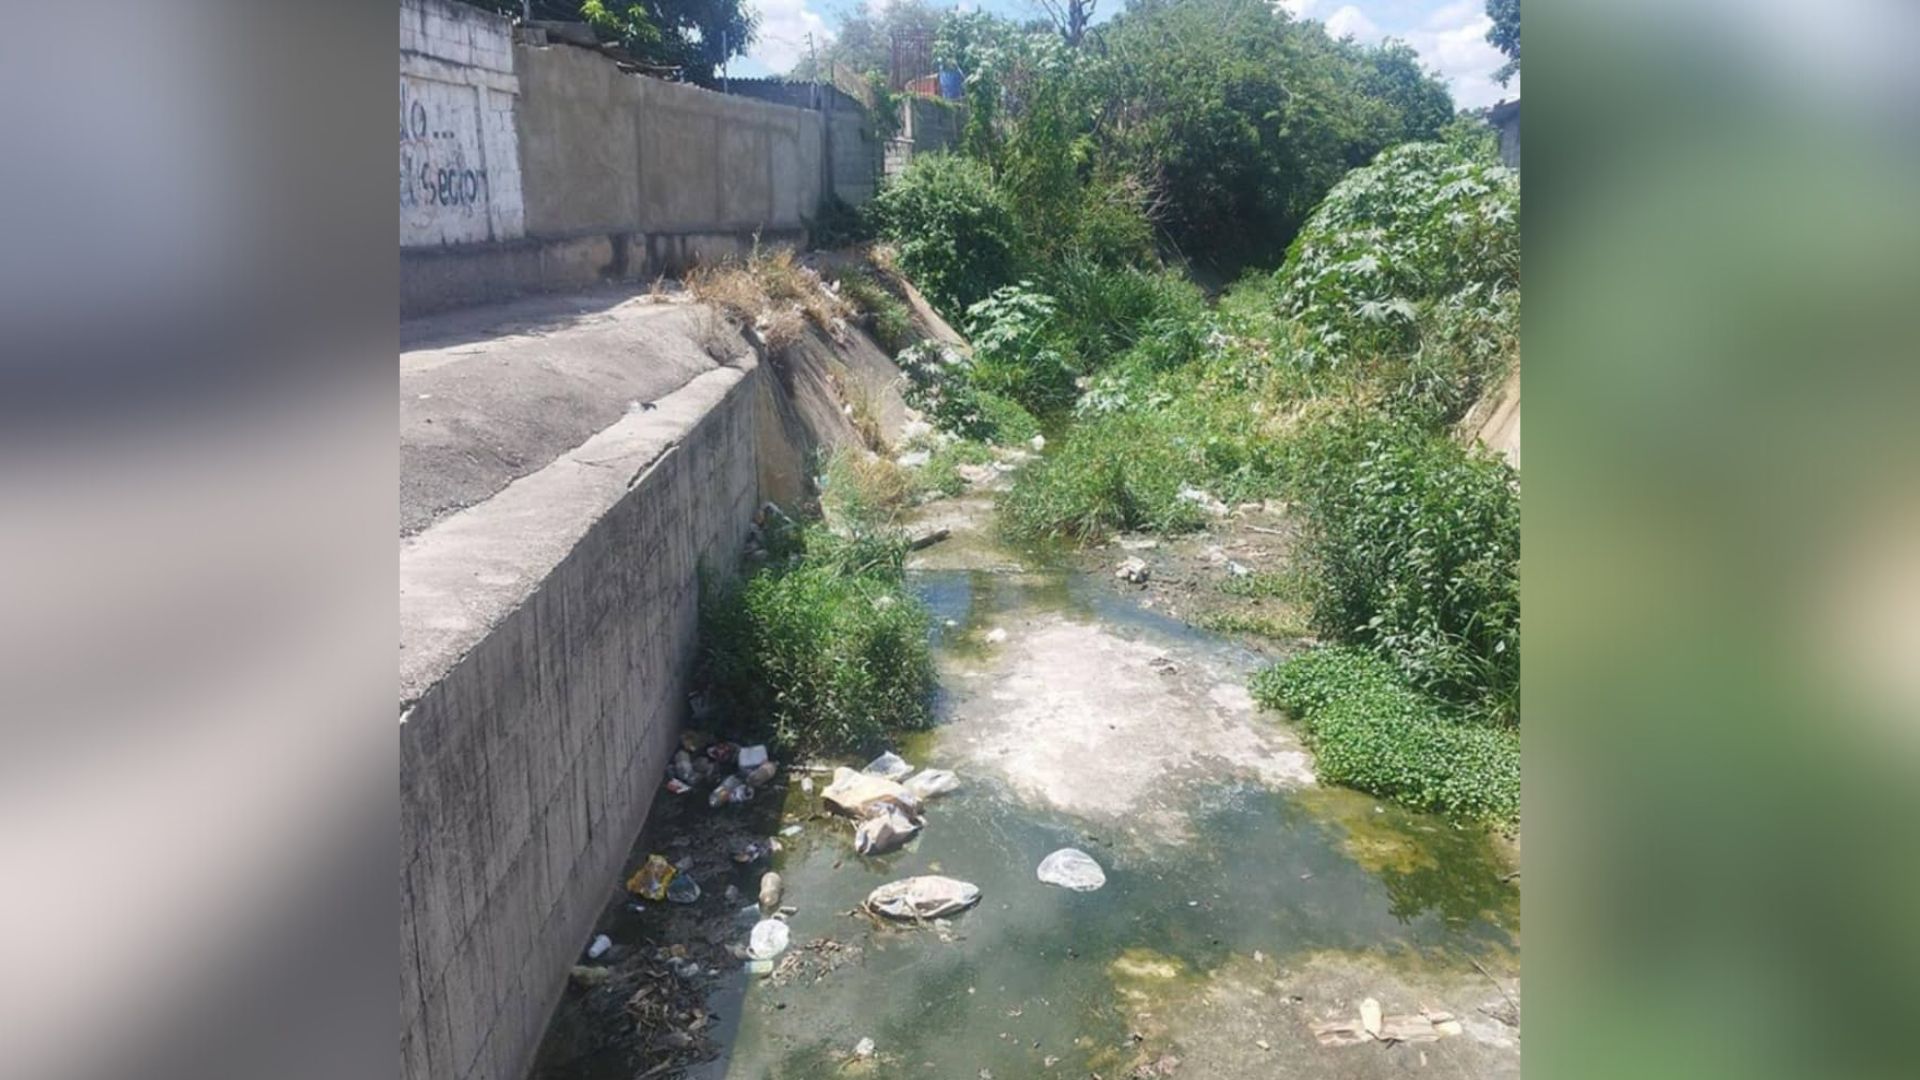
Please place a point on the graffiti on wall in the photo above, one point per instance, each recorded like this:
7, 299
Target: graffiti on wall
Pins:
444, 196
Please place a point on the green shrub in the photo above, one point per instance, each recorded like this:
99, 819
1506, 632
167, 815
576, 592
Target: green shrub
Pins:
1424, 222
1003, 421
1106, 311
1110, 474
1415, 545
825, 650
891, 322
954, 230
940, 383
1369, 730
1018, 352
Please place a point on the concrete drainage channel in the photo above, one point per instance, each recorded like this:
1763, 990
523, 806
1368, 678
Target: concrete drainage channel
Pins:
548, 597
1250, 923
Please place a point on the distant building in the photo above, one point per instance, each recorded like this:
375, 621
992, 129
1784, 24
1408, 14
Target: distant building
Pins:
1505, 118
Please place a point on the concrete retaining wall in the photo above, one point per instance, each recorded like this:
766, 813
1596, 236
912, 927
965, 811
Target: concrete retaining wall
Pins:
531, 745
547, 634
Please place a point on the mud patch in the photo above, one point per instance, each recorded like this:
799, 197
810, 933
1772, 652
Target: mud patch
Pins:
1164, 716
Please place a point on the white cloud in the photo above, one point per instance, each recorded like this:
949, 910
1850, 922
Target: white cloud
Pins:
1351, 22
1453, 42
1299, 9
781, 39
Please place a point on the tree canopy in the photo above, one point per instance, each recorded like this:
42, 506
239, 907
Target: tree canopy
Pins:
1504, 35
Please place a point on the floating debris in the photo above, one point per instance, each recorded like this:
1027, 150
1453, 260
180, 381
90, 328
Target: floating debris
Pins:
1071, 868
925, 897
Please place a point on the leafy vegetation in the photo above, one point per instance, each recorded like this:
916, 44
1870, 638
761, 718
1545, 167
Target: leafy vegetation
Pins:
1426, 224
690, 37
1371, 731
1415, 547
888, 317
824, 645
953, 229
940, 383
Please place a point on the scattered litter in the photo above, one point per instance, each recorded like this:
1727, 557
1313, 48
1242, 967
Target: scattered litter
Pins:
675, 785
1427, 1025
601, 943
752, 757
683, 889
1204, 501
586, 977
1038, 442
731, 790
932, 783
768, 940
759, 967
651, 880
682, 768
1133, 570
884, 831
925, 897
996, 635
1071, 868
761, 774
851, 793
890, 765
770, 890
750, 851
806, 784
794, 829
1262, 1044
1238, 569
863, 1049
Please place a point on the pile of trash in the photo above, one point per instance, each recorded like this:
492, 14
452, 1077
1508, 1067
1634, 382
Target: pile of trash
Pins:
737, 772
884, 800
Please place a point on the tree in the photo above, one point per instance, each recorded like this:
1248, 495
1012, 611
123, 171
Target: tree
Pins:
1071, 18
1505, 36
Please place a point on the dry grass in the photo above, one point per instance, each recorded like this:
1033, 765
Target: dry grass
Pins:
865, 490
773, 293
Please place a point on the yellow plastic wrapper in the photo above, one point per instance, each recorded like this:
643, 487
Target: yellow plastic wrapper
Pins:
651, 880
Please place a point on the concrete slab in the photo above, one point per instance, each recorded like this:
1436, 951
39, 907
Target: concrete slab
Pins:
492, 394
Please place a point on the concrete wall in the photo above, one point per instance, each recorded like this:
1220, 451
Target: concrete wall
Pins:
459, 162
607, 152
531, 747
547, 634
624, 176
1505, 118
855, 153
927, 126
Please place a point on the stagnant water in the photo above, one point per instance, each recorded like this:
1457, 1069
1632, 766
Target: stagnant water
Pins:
1334, 893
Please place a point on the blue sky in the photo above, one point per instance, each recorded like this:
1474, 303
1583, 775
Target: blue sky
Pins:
1449, 34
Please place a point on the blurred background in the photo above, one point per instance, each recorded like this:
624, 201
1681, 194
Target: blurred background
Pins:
1721, 562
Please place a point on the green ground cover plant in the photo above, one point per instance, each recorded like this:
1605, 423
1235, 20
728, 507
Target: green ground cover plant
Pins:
1371, 731
1414, 548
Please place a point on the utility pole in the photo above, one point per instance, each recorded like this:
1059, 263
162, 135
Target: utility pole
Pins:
813, 61
726, 61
